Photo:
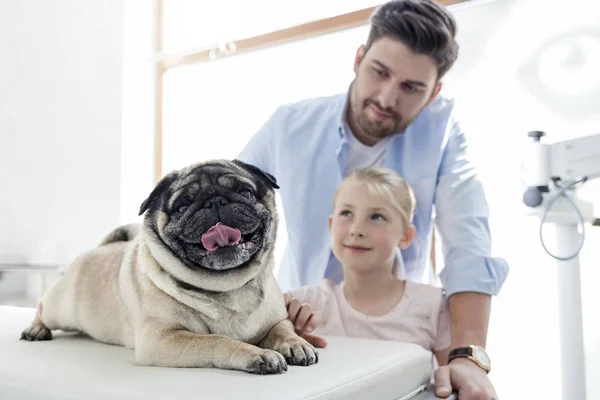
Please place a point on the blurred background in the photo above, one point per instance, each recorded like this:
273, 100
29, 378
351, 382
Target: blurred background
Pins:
98, 99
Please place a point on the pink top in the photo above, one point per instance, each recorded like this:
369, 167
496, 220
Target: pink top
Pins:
421, 317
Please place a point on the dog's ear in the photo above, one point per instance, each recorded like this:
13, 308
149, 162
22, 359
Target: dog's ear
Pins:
264, 176
160, 188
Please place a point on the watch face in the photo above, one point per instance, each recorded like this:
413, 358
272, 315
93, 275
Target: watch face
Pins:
481, 356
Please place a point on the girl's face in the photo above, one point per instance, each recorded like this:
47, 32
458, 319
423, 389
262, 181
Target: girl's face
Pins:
366, 229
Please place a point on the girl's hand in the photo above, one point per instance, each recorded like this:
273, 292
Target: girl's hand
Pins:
305, 320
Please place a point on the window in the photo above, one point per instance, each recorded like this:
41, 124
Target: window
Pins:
203, 119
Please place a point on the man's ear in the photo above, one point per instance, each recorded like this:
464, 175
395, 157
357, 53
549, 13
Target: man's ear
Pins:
266, 177
162, 186
407, 238
435, 92
360, 54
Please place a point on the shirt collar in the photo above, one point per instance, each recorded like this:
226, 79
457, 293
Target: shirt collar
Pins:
342, 123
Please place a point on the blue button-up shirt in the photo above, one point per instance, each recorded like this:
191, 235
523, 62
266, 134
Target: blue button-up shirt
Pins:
304, 146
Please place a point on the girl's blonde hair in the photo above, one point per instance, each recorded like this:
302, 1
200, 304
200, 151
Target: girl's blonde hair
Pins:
388, 184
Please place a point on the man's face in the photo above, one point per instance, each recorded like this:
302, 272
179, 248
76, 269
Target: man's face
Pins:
391, 87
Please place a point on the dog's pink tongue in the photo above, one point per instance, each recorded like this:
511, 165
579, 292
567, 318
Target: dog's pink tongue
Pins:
220, 236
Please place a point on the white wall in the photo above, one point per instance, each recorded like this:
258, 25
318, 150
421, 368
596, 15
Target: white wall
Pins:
137, 139
60, 126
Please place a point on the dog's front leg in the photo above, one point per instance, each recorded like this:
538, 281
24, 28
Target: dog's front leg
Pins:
296, 350
171, 347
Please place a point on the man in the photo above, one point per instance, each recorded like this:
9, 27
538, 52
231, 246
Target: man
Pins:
392, 116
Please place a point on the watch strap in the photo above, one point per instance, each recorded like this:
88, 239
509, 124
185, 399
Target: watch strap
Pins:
467, 352
460, 352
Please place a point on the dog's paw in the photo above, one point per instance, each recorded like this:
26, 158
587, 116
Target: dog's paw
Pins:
265, 361
35, 333
297, 351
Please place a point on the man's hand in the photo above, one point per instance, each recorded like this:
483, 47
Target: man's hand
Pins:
464, 375
305, 320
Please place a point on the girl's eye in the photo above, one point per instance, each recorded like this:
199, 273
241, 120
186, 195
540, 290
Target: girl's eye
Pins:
378, 217
345, 213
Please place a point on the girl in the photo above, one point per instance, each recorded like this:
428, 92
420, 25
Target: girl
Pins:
372, 217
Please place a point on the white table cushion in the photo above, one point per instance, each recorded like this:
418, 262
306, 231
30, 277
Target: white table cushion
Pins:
76, 367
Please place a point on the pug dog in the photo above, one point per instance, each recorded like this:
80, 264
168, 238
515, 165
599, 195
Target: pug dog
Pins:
193, 286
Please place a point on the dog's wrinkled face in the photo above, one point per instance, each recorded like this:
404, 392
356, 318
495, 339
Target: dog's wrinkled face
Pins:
217, 215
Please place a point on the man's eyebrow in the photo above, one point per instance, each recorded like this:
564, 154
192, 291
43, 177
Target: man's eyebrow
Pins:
381, 65
408, 81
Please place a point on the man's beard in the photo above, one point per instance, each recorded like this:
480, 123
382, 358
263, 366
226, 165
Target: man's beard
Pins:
374, 128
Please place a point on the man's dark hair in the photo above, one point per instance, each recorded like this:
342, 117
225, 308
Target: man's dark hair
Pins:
424, 26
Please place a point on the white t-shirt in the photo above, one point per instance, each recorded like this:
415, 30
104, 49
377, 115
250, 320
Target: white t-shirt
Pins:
361, 156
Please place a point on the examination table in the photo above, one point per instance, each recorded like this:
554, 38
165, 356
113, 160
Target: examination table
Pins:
73, 366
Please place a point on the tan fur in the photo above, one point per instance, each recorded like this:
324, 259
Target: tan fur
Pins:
127, 293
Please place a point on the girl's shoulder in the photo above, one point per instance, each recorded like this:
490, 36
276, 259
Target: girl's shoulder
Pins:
425, 294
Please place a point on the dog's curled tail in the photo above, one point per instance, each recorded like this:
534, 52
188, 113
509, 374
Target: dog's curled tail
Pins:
123, 233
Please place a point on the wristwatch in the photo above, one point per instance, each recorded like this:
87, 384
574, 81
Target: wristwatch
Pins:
476, 354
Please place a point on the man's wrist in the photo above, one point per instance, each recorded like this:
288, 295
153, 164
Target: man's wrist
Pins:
467, 362
475, 355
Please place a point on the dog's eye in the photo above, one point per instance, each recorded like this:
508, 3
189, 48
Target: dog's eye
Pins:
182, 208
247, 194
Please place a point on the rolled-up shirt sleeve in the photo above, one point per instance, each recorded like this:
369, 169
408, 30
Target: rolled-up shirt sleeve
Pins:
461, 219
